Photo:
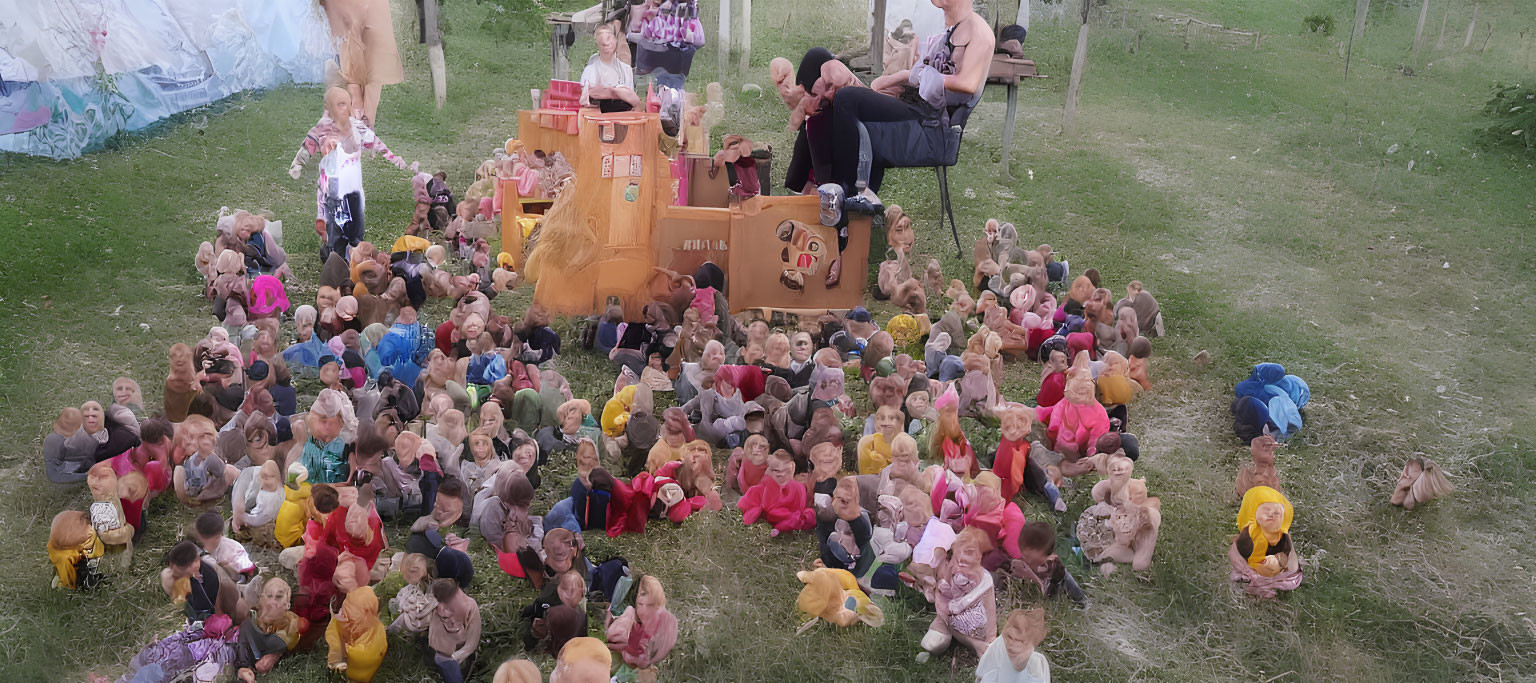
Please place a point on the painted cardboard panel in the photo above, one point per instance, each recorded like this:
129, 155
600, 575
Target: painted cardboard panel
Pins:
784, 235
686, 237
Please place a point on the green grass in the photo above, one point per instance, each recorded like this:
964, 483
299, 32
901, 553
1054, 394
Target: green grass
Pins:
1313, 247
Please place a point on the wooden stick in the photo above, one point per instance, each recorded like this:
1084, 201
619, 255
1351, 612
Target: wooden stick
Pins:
806, 626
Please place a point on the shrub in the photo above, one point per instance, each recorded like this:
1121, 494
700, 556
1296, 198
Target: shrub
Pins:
1513, 110
1319, 23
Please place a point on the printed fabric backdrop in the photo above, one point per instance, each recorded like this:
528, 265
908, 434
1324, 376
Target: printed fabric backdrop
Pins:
73, 73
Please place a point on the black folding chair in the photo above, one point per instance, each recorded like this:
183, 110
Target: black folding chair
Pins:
919, 153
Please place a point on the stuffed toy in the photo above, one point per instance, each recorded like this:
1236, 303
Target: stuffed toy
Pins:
1422, 480
778, 498
833, 595
75, 551
106, 512
423, 196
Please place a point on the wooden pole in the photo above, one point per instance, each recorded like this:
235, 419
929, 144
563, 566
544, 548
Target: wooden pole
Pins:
435, 59
1079, 62
1471, 25
877, 39
1362, 8
723, 41
1418, 33
746, 36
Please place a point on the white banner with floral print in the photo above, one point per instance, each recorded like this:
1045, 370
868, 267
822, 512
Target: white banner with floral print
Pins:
75, 73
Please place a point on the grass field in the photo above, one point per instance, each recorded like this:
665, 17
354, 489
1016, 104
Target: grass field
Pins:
1268, 203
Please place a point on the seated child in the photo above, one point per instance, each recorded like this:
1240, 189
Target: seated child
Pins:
778, 498
257, 498
75, 551
965, 599
875, 449
904, 468
1263, 554
582, 659
411, 475
355, 638
453, 631
414, 602
566, 620
1000, 519
301, 504
200, 479
645, 633
1011, 461
845, 531
586, 507
187, 578
607, 83
231, 556
1038, 562
1013, 657
747, 464
357, 529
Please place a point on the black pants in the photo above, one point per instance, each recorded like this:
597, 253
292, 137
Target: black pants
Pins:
812, 156
343, 225
613, 106
850, 107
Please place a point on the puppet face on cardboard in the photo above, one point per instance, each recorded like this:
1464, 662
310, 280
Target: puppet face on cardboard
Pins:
804, 250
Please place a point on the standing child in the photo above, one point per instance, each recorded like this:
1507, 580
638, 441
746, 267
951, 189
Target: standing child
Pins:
340, 139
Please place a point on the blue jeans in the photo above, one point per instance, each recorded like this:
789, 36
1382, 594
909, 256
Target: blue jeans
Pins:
562, 516
449, 668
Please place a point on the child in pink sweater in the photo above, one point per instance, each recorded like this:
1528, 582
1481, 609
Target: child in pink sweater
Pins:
340, 138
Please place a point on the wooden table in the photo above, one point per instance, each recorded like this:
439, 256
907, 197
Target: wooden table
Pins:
1008, 71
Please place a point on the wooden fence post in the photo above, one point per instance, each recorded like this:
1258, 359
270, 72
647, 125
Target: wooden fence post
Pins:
1079, 62
746, 36
1471, 25
1362, 8
1418, 33
723, 41
877, 39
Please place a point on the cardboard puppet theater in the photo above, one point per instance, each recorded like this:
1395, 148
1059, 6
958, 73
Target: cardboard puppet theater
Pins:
611, 236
